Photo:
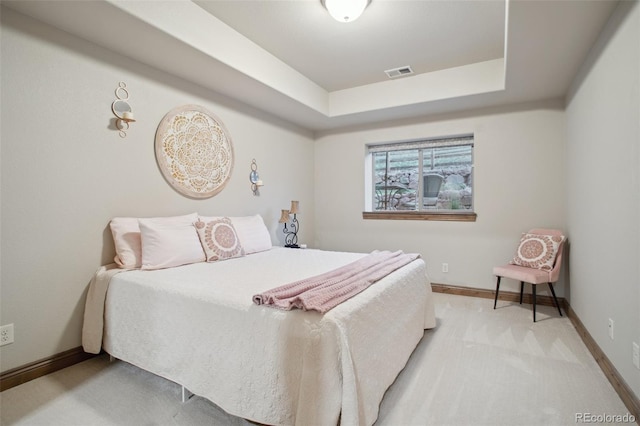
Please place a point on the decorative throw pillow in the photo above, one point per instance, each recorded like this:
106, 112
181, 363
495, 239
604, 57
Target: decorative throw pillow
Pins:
537, 251
168, 245
126, 237
219, 239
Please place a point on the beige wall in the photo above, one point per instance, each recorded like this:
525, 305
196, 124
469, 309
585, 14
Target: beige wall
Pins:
66, 173
603, 171
518, 182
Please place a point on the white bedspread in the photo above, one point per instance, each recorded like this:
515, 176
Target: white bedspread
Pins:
197, 325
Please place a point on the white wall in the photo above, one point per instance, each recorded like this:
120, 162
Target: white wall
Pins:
65, 173
603, 182
518, 184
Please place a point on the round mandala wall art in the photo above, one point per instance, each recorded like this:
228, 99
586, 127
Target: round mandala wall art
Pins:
194, 151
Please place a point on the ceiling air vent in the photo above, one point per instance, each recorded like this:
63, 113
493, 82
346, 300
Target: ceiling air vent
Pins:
398, 72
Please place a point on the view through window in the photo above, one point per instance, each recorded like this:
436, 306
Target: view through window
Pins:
430, 175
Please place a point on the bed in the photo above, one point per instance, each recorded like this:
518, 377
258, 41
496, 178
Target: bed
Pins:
197, 325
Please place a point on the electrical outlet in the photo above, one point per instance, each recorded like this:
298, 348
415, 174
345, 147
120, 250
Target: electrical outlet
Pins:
636, 355
6, 334
610, 328
445, 267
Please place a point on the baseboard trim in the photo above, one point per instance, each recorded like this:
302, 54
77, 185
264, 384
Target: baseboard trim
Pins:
619, 384
25, 373
508, 296
621, 387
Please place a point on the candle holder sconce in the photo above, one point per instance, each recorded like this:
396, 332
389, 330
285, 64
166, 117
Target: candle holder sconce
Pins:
254, 178
122, 109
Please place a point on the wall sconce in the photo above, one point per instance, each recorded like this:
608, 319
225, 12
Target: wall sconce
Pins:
254, 178
122, 110
291, 233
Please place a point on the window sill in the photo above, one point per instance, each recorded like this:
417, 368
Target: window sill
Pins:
414, 215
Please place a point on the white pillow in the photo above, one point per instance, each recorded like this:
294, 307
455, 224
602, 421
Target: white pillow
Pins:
168, 245
252, 232
126, 237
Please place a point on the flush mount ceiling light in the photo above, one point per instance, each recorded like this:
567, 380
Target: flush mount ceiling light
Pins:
345, 10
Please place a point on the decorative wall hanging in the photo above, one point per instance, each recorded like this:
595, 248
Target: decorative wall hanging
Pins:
122, 110
254, 178
194, 151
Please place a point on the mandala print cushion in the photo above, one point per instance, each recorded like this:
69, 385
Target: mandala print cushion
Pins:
219, 239
537, 251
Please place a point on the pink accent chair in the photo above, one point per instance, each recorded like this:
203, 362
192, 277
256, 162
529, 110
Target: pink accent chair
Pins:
532, 275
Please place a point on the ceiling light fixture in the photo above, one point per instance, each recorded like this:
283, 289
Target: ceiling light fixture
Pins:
345, 10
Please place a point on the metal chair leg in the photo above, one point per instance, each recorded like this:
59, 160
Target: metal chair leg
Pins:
521, 290
497, 289
554, 298
533, 287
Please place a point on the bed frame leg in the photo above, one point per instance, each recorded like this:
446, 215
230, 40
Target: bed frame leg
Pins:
186, 395
111, 358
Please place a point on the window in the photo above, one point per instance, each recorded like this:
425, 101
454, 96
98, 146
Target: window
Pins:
421, 178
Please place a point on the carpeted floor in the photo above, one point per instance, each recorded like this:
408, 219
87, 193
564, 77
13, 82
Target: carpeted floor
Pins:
478, 367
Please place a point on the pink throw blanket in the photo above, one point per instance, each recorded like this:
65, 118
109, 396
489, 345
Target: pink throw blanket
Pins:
325, 291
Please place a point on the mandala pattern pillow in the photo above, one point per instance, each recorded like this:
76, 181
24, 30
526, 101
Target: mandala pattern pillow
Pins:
219, 239
537, 251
